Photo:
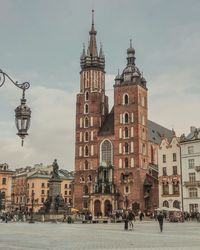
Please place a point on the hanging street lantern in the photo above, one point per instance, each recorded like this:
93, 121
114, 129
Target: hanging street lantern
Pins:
22, 112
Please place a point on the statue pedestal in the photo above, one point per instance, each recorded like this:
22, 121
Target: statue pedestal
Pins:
54, 190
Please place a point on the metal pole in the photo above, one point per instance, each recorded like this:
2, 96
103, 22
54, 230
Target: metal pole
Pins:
32, 205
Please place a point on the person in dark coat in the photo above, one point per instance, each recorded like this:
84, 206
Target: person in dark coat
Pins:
126, 220
160, 218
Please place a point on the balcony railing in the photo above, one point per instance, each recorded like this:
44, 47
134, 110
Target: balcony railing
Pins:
192, 183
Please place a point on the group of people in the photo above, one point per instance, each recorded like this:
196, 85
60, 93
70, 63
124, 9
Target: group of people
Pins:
14, 216
129, 217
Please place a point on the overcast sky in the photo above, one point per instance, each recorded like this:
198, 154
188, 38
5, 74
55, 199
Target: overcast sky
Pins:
41, 42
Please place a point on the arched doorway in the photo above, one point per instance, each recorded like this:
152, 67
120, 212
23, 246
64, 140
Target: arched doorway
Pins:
107, 208
165, 204
176, 204
97, 208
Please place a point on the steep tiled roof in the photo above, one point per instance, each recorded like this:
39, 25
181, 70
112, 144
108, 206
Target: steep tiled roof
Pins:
156, 132
108, 126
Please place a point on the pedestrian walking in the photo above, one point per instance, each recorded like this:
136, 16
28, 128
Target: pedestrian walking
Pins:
131, 217
126, 220
141, 216
160, 218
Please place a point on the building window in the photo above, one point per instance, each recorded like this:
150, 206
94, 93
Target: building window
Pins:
89, 178
65, 200
192, 177
126, 162
70, 185
42, 192
43, 185
190, 150
86, 136
127, 189
86, 122
86, 151
85, 204
175, 188
165, 188
193, 193
191, 163
164, 171
175, 170
174, 156
126, 148
65, 185
106, 152
165, 204
126, 118
85, 189
193, 208
32, 184
164, 158
42, 200
66, 192
86, 109
81, 179
86, 96
3, 195
126, 132
176, 204
4, 181
126, 99
86, 165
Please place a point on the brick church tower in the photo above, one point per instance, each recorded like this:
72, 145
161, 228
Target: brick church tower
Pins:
111, 150
91, 110
131, 140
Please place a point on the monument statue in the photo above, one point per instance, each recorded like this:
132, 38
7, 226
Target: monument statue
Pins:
55, 174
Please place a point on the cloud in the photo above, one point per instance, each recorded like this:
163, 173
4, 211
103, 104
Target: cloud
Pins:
51, 134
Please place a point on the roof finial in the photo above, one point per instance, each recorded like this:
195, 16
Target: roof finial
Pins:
118, 71
130, 43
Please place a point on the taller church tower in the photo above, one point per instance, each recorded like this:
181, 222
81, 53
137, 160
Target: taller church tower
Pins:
91, 110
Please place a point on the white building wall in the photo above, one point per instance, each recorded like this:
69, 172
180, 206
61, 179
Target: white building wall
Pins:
168, 148
187, 155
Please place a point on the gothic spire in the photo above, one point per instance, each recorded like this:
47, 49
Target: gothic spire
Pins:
93, 44
90, 56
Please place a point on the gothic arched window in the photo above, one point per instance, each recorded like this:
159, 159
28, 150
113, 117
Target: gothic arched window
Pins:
86, 122
86, 151
126, 99
126, 118
86, 164
86, 96
126, 132
126, 147
86, 108
86, 136
106, 152
126, 162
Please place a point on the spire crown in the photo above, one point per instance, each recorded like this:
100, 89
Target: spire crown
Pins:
92, 58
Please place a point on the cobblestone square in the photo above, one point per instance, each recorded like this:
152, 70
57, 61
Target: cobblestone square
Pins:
60, 236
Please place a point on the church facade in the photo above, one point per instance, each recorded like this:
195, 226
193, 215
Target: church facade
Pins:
115, 152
